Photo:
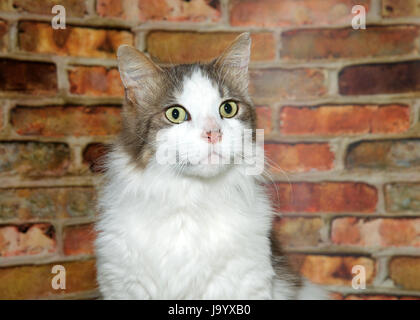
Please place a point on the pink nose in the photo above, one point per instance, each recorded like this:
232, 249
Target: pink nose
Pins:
212, 136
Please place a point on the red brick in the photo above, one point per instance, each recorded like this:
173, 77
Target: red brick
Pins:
1, 118
3, 36
332, 270
404, 271
188, 47
27, 240
271, 13
74, 8
38, 37
34, 159
27, 77
34, 281
314, 44
5, 6
57, 121
264, 115
379, 297
336, 296
400, 8
327, 197
95, 81
275, 84
410, 298
385, 78
47, 203
93, 156
297, 232
384, 154
376, 232
160, 10
299, 157
344, 119
79, 240
402, 197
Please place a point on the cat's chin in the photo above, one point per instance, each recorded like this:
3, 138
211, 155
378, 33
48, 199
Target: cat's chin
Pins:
206, 170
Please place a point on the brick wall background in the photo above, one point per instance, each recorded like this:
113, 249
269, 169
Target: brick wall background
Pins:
340, 108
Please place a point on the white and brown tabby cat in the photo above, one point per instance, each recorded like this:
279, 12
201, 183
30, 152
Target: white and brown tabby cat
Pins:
188, 229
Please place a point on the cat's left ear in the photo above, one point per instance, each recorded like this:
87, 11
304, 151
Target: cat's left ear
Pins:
234, 60
135, 67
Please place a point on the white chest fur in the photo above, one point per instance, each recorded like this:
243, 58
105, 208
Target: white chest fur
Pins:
167, 237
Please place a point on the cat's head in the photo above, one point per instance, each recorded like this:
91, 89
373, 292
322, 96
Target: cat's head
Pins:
190, 117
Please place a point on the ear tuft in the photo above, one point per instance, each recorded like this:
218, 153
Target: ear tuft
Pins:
124, 49
134, 66
237, 55
233, 62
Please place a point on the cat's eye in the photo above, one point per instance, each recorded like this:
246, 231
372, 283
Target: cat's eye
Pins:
176, 114
228, 109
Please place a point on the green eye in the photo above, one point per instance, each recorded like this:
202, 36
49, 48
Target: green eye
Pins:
176, 114
228, 109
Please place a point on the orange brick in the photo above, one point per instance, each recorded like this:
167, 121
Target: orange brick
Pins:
34, 159
314, 44
27, 240
5, 6
34, 281
264, 115
404, 271
384, 154
276, 84
79, 240
400, 8
299, 157
327, 197
332, 270
344, 119
57, 121
74, 8
1, 118
160, 10
47, 203
370, 297
188, 47
376, 232
297, 232
270, 13
95, 81
38, 37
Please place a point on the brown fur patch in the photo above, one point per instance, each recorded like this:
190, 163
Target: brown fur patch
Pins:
281, 265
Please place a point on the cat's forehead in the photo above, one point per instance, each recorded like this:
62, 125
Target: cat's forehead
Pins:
198, 92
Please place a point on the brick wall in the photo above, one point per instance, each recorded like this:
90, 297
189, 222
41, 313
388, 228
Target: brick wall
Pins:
340, 108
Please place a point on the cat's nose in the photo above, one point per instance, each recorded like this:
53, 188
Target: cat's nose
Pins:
212, 136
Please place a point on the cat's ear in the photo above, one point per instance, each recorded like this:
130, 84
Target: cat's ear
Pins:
135, 67
235, 59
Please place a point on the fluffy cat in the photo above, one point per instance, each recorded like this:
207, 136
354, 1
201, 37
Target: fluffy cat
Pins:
188, 229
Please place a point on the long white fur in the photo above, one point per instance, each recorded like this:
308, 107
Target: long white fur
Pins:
203, 234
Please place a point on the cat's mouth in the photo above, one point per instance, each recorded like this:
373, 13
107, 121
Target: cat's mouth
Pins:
212, 158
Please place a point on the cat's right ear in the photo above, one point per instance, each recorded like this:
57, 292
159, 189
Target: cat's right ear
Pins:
135, 67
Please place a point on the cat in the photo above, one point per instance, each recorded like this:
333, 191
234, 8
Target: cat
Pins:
188, 229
